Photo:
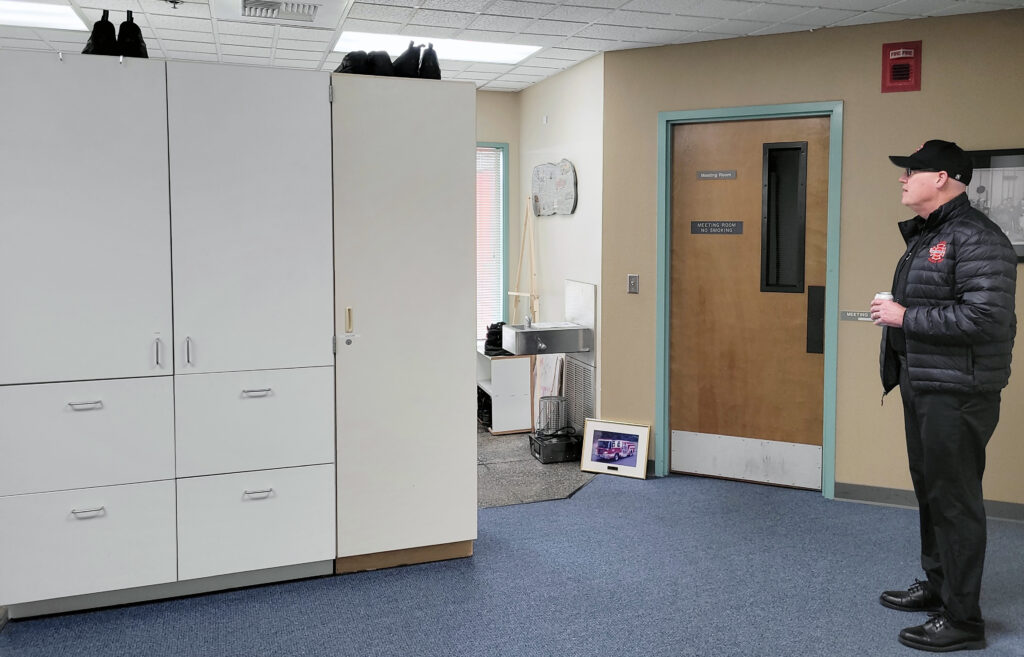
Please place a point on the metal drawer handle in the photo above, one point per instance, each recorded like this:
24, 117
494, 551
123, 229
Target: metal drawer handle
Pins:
188, 350
257, 392
156, 351
266, 492
86, 406
81, 512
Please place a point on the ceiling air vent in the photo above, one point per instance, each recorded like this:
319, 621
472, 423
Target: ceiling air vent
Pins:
289, 11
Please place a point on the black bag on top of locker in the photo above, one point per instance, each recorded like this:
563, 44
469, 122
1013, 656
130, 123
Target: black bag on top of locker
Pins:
492, 343
378, 62
429, 67
407, 65
103, 40
354, 62
129, 39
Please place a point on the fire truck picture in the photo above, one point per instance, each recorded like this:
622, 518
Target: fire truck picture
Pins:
612, 450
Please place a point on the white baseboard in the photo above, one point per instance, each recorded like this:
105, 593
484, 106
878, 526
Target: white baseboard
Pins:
749, 459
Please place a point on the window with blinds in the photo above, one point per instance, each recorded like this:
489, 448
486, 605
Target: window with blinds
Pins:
491, 211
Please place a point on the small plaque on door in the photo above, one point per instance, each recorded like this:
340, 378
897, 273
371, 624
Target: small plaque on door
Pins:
716, 175
716, 227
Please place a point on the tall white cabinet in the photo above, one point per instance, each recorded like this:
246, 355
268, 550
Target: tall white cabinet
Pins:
134, 453
404, 190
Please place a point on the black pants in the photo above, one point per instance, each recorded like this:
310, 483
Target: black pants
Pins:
946, 438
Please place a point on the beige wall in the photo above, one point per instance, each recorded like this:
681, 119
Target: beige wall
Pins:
971, 93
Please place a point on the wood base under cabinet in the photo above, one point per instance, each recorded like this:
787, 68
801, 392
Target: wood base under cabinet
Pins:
407, 557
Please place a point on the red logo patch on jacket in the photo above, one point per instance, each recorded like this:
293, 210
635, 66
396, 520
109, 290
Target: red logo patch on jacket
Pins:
937, 252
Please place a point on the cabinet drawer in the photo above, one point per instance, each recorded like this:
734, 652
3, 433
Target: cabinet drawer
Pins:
239, 421
252, 520
85, 541
60, 436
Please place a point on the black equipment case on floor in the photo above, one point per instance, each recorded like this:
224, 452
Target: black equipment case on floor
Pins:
556, 448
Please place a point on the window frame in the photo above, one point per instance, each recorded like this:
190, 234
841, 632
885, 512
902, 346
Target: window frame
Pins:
503, 148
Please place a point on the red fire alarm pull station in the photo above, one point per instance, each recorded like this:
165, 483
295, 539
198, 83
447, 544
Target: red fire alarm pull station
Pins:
901, 66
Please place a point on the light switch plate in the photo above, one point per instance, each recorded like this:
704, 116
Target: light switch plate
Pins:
633, 286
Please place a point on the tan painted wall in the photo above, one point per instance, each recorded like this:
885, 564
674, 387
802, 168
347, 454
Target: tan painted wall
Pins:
497, 120
971, 93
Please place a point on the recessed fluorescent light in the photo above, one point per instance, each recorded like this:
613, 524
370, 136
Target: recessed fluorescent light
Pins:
454, 49
34, 14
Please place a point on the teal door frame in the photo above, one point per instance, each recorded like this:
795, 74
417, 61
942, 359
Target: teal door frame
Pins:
666, 120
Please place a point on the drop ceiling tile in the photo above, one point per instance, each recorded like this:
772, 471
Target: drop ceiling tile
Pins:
527, 39
297, 63
430, 31
915, 7
188, 9
546, 62
542, 71
58, 35
376, 27
709, 8
519, 8
869, 17
604, 4
12, 32
965, 8
245, 51
485, 35
666, 37
708, 36
569, 54
370, 12
773, 13
783, 28
400, 3
302, 55
251, 61
498, 85
241, 40
305, 34
116, 17
660, 21
181, 23
852, 5
822, 17
112, 5
500, 23
738, 28
455, 5
183, 35
193, 56
582, 43
24, 44
613, 32
554, 28
577, 14
246, 29
469, 75
69, 46
489, 68
458, 19
514, 77
293, 44
188, 46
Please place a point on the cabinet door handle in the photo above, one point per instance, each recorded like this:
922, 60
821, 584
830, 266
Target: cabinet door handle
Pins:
266, 492
86, 406
348, 319
257, 392
156, 351
81, 512
188, 351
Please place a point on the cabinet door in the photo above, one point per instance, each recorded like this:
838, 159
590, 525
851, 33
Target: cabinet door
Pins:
234, 421
251, 191
254, 520
84, 228
86, 541
86, 433
405, 244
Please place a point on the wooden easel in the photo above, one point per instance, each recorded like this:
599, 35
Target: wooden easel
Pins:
534, 301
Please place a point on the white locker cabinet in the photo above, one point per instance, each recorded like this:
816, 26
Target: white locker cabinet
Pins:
405, 181
250, 171
236, 421
508, 380
84, 219
252, 520
84, 541
57, 436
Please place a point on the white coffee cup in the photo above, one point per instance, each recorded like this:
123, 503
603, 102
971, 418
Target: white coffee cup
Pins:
884, 296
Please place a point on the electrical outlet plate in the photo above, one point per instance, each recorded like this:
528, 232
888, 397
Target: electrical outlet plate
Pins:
633, 284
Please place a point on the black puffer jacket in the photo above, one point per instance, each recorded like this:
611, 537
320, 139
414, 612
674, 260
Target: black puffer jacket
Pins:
959, 295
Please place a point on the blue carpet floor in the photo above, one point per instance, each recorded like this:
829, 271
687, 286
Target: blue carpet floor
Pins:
673, 566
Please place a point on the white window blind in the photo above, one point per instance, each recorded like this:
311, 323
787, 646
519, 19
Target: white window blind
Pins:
490, 213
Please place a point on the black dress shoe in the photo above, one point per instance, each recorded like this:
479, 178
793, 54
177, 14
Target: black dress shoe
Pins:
919, 597
939, 635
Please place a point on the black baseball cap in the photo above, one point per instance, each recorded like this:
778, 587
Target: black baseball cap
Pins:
938, 155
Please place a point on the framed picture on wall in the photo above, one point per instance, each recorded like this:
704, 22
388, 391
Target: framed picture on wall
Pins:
997, 189
615, 448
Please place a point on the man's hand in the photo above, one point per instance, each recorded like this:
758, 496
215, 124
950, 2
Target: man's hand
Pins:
887, 313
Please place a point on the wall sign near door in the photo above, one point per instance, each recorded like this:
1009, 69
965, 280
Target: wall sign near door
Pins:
716, 175
716, 227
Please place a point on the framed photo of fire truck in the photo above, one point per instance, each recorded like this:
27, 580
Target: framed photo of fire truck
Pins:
615, 448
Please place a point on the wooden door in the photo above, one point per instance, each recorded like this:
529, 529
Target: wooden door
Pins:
251, 200
747, 362
84, 249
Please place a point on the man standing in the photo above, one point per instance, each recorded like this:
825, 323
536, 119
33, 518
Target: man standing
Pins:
947, 340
